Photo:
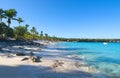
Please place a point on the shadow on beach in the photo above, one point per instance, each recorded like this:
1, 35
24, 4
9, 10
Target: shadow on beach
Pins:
31, 71
27, 71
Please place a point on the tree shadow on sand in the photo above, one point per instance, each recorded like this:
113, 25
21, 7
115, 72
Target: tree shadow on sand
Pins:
28, 71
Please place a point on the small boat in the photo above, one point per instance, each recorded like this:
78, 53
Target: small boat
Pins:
105, 43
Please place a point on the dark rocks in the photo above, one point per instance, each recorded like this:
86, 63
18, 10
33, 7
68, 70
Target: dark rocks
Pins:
20, 54
32, 58
35, 58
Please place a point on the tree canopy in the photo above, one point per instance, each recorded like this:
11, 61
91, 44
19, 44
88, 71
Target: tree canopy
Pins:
10, 14
18, 32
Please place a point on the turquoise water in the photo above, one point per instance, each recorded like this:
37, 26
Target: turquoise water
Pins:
105, 57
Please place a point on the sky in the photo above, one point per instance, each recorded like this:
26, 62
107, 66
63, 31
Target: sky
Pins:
69, 18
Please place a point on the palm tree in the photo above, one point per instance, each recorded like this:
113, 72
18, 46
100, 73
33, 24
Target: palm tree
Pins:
46, 36
20, 20
41, 35
33, 31
27, 25
11, 13
1, 14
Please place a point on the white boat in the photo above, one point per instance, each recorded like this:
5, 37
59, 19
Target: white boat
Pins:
105, 43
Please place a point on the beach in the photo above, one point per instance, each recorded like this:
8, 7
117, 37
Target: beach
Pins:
53, 63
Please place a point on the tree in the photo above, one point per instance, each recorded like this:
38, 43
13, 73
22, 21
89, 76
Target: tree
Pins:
28, 36
3, 27
11, 13
41, 35
46, 36
27, 25
2, 15
9, 32
20, 20
34, 32
20, 32
5, 31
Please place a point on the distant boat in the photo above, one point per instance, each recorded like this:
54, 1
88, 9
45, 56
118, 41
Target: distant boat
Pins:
105, 43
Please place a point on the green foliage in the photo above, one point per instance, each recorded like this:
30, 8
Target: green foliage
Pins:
1, 14
28, 36
41, 35
34, 33
46, 36
10, 14
20, 32
3, 27
9, 32
5, 31
20, 20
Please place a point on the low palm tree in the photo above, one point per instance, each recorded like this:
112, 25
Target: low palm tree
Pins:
10, 14
33, 31
46, 36
41, 35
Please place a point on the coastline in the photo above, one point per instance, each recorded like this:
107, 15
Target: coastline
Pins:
53, 63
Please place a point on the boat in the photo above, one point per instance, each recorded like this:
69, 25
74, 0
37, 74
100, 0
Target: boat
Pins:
105, 43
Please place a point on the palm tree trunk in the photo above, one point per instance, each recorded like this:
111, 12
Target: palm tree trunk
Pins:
19, 23
0, 20
8, 24
9, 21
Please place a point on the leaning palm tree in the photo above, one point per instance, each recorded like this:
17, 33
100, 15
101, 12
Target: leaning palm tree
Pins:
10, 14
20, 20
1, 14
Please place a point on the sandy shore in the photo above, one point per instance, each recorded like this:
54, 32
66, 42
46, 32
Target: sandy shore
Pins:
53, 64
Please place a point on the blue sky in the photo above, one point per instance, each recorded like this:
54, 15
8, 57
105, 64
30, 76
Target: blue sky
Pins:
69, 18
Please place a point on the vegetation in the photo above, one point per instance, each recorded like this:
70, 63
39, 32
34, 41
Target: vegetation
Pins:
1, 14
10, 14
20, 20
34, 33
21, 31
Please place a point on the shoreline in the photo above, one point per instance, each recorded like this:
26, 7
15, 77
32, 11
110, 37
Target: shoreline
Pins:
52, 64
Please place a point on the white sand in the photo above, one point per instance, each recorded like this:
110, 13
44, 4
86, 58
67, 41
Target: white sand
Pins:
13, 67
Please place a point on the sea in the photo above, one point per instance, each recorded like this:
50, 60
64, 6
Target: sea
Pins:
104, 56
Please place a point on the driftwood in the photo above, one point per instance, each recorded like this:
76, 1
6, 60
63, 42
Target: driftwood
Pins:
26, 58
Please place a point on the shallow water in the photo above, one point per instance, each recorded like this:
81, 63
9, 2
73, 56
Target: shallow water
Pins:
105, 57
